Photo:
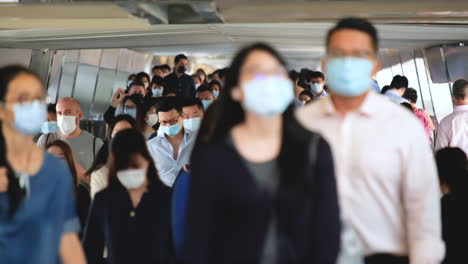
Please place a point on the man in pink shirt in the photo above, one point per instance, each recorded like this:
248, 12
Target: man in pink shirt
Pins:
453, 129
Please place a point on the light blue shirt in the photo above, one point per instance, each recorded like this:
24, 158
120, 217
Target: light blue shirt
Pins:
395, 97
163, 155
323, 94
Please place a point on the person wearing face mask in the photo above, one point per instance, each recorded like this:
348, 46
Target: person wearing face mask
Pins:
38, 220
179, 82
131, 78
171, 149
151, 121
144, 78
157, 71
84, 145
305, 97
116, 107
389, 190
397, 89
133, 106
317, 82
157, 87
166, 70
197, 81
192, 113
215, 86
202, 74
131, 217
205, 95
50, 125
99, 171
250, 192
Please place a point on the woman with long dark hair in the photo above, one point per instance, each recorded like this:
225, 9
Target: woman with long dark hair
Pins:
131, 216
263, 188
38, 221
62, 150
99, 171
133, 106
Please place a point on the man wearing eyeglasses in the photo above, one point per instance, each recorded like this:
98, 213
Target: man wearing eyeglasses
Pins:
171, 149
386, 176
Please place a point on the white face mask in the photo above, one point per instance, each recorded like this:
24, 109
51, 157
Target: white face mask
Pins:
132, 179
152, 119
66, 124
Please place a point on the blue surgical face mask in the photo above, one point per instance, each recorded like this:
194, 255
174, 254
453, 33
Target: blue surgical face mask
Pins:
129, 82
316, 87
267, 95
130, 112
349, 76
49, 127
29, 117
171, 130
192, 124
157, 92
206, 103
216, 93
182, 69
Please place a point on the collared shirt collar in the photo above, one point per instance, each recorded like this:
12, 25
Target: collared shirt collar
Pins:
368, 107
187, 135
460, 108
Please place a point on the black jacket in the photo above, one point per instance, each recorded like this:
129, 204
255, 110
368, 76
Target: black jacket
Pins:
140, 236
183, 86
228, 216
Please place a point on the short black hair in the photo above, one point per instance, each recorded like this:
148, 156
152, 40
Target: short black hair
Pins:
180, 57
158, 80
308, 93
222, 73
213, 83
356, 23
204, 88
411, 95
156, 67
169, 103
166, 67
316, 74
136, 83
385, 89
460, 89
407, 106
293, 75
399, 82
51, 108
191, 101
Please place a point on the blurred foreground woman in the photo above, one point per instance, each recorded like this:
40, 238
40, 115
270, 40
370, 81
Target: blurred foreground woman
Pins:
263, 189
38, 221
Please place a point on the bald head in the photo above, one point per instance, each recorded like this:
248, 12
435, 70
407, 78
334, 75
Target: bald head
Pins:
69, 107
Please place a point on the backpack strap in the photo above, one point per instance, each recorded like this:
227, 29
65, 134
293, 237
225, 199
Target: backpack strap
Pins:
94, 148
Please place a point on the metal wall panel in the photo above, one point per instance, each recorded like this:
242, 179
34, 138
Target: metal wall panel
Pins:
85, 85
457, 62
90, 57
15, 56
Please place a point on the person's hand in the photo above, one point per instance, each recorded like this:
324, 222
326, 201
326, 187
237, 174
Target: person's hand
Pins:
118, 97
187, 168
3, 180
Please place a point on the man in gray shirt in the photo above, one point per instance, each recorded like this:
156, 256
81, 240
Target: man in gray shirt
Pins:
82, 143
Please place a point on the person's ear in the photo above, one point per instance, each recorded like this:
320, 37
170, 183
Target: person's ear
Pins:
377, 66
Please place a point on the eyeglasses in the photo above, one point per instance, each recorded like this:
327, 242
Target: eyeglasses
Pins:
170, 122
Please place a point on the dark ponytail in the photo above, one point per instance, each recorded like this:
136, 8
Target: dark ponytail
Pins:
15, 193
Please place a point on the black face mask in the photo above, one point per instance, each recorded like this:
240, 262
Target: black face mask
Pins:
181, 69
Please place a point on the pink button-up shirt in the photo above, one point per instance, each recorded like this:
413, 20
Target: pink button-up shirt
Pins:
453, 130
386, 175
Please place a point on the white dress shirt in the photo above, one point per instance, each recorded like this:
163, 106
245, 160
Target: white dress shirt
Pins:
453, 130
163, 156
386, 175
395, 97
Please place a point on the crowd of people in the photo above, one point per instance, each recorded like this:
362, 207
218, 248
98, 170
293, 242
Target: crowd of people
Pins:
249, 164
